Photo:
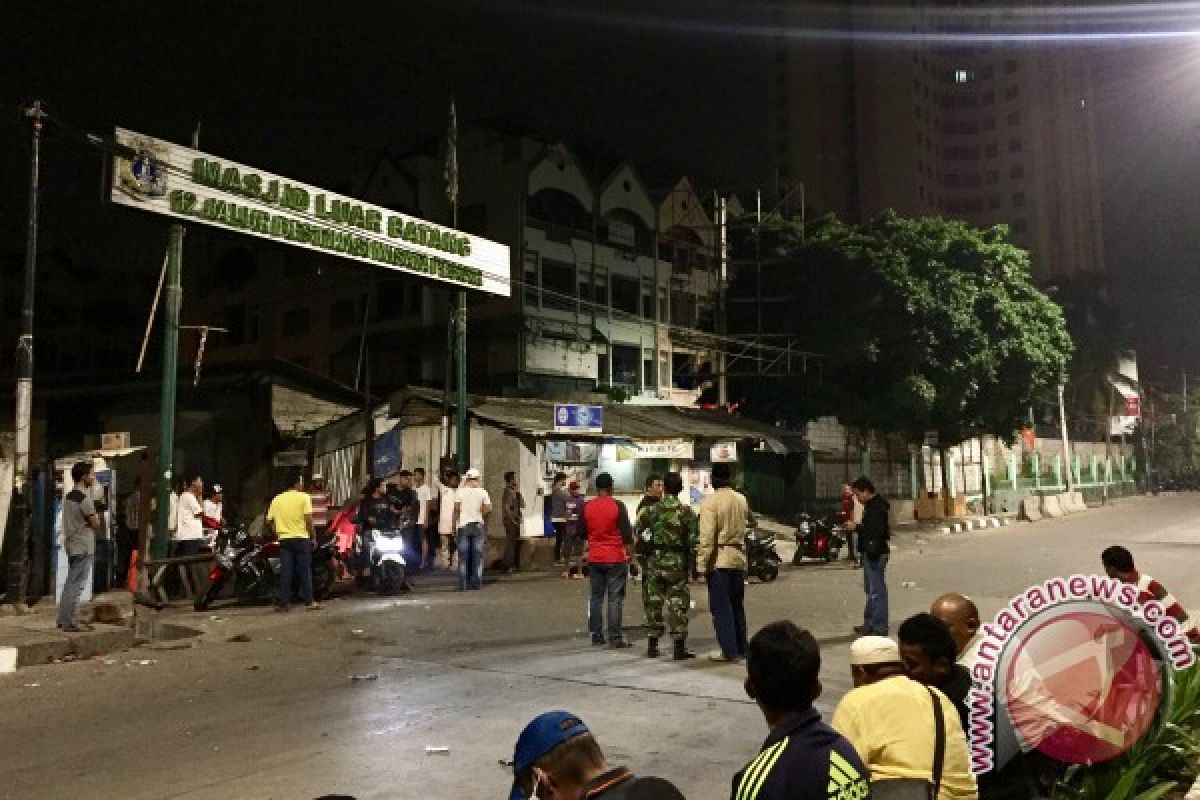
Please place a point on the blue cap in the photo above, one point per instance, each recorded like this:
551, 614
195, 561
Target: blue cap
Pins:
546, 732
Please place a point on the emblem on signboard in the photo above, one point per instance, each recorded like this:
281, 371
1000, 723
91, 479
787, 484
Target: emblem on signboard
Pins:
145, 175
564, 415
583, 417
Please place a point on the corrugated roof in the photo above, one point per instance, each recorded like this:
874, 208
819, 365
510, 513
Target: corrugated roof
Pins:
621, 421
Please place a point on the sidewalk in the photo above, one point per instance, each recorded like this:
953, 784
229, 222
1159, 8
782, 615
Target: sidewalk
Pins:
34, 638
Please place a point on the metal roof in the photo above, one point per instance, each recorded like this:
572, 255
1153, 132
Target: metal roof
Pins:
621, 420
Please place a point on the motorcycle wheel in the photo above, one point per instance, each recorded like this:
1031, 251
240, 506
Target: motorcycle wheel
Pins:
768, 574
831, 555
245, 588
210, 594
323, 580
391, 578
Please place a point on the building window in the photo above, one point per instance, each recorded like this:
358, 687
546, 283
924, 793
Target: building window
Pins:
1014, 118
341, 313
1010, 66
531, 280
1011, 93
989, 97
625, 294
963, 76
1014, 145
558, 284
989, 124
1018, 199
992, 177
626, 364
295, 322
1016, 172
991, 150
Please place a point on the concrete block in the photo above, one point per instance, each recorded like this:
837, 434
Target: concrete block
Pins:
8, 660
1031, 510
1051, 507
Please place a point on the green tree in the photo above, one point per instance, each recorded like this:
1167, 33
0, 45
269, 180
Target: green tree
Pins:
924, 324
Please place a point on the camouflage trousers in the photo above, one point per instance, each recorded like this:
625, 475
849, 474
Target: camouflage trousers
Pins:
665, 594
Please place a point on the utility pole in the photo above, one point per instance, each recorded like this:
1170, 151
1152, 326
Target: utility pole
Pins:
463, 444
364, 374
1188, 431
723, 258
17, 527
170, 377
1066, 442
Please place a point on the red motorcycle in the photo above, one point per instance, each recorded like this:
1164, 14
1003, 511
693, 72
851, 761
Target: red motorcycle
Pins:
818, 539
253, 564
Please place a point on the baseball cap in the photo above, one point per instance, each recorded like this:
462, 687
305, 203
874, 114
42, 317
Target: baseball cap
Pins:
573, 485
869, 650
544, 733
472, 473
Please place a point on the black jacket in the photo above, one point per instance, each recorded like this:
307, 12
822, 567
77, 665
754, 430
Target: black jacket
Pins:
804, 759
621, 784
875, 530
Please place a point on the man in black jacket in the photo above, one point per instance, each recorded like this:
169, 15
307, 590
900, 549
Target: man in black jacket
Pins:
873, 534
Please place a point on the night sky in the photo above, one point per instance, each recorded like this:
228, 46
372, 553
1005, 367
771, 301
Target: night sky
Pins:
316, 91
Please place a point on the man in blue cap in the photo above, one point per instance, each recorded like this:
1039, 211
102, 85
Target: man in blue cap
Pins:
556, 758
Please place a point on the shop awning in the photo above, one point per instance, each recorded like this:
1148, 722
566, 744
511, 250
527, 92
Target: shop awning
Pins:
623, 422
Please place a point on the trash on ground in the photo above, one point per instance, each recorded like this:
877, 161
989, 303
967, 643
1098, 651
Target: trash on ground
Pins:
357, 630
505, 762
253, 667
908, 584
106, 660
370, 676
142, 662
431, 751
217, 618
33, 685
241, 637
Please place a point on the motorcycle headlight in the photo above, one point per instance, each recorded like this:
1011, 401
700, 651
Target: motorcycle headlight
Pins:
804, 527
224, 560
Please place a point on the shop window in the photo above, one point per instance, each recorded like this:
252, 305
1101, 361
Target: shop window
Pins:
625, 294
626, 364
558, 284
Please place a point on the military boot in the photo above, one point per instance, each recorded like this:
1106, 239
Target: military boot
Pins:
652, 647
681, 651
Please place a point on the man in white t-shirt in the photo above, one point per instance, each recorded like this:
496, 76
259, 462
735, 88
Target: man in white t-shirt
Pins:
424, 527
214, 514
445, 527
471, 505
188, 535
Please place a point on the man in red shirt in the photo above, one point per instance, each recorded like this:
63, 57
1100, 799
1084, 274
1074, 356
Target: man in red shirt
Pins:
1118, 563
610, 556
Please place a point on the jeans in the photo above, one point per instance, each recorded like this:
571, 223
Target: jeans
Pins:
726, 600
295, 561
470, 556
875, 615
608, 588
78, 572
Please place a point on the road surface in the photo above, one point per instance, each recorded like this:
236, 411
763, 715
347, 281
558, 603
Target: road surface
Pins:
279, 716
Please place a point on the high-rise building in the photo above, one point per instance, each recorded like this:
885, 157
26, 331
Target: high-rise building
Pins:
926, 124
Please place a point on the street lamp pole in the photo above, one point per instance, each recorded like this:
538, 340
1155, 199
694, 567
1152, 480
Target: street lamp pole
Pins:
17, 527
1066, 442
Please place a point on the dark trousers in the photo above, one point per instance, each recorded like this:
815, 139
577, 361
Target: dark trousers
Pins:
608, 590
432, 543
512, 545
295, 562
875, 614
850, 544
560, 533
726, 600
197, 573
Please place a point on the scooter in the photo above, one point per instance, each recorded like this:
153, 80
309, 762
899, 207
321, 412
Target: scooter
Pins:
763, 559
384, 551
818, 539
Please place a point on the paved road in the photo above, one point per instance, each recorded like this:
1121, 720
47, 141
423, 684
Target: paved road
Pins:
279, 716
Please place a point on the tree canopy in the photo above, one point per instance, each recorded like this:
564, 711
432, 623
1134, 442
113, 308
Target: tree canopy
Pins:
924, 324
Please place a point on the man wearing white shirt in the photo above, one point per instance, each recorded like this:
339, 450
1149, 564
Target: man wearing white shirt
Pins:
189, 524
424, 528
214, 513
471, 505
445, 526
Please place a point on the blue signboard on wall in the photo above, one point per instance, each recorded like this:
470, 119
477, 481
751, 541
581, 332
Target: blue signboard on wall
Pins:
569, 418
387, 453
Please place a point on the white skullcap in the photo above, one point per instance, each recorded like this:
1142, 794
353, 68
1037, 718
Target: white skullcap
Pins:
874, 650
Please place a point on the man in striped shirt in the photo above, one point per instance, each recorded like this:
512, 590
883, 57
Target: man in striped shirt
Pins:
1118, 563
802, 758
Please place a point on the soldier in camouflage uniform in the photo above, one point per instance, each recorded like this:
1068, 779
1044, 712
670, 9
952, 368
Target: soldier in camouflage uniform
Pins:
667, 535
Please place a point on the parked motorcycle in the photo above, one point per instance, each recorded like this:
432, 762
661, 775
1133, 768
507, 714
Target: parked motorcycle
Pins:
763, 559
253, 564
818, 539
384, 552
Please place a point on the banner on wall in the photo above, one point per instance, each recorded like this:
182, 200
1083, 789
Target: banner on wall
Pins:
672, 449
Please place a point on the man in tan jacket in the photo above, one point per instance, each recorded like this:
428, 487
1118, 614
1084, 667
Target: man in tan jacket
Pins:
721, 559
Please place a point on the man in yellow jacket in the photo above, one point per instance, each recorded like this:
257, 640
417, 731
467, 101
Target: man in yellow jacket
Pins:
721, 560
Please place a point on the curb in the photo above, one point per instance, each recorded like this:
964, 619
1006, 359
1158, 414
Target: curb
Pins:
43, 647
975, 523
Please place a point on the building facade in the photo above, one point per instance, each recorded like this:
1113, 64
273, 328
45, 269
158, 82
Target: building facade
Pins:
982, 132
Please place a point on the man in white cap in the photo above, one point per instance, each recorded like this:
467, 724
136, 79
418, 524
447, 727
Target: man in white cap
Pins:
907, 734
472, 504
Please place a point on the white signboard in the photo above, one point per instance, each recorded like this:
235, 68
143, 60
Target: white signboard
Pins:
672, 449
179, 182
724, 453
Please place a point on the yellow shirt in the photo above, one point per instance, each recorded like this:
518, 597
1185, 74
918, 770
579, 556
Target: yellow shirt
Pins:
288, 511
890, 724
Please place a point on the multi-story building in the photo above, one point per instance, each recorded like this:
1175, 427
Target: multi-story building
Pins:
614, 283
965, 129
